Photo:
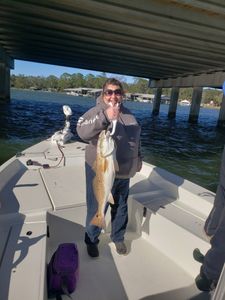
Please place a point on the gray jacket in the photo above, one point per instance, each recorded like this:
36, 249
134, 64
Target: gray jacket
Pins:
126, 137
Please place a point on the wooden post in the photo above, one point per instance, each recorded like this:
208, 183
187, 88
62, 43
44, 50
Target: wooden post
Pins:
173, 102
157, 100
4, 82
6, 63
195, 105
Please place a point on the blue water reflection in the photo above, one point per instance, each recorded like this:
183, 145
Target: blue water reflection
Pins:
191, 151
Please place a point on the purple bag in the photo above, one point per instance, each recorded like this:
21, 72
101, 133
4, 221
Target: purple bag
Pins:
62, 271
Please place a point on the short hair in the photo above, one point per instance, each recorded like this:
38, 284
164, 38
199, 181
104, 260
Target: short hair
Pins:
112, 81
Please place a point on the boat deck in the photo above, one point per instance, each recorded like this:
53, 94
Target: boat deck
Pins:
145, 273
41, 208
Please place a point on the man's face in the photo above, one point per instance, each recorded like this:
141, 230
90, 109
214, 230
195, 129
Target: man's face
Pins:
112, 95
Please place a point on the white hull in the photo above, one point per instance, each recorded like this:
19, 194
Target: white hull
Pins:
35, 201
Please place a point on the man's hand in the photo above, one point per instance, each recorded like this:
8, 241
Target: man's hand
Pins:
112, 112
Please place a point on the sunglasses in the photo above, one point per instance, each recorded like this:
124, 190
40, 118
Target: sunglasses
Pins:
117, 92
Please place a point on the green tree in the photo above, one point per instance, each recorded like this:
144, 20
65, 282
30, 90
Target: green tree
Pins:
80, 82
212, 95
52, 82
64, 81
90, 80
185, 93
140, 85
100, 80
21, 82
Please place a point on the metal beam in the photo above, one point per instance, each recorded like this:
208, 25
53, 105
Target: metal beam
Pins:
156, 39
6, 59
214, 79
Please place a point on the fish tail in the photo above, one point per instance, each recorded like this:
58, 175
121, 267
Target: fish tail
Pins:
98, 220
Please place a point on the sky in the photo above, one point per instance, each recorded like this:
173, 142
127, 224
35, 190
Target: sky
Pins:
37, 69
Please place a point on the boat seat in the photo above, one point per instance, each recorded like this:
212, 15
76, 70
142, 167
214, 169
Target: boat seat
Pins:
168, 195
22, 255
154, 191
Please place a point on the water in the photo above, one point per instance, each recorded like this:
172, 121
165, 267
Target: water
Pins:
191, 151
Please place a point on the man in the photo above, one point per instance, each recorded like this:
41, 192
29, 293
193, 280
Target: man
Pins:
213, 261
217, 213
109, 107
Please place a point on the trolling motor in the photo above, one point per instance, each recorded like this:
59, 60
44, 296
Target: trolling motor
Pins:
64, 135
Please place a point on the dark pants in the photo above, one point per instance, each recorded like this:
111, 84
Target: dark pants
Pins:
215, 226
215, 257
217, 213
119, 210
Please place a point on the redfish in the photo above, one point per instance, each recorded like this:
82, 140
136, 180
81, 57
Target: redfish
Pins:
105, 167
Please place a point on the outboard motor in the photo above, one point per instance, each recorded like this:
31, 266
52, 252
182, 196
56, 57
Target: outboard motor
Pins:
64, 135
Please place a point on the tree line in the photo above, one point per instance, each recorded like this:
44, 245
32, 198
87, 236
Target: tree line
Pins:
76, 80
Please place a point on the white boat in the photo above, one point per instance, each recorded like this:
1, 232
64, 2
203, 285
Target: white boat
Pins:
42, 197
72, 93
185, 103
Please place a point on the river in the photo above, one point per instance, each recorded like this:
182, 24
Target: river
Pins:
192, 151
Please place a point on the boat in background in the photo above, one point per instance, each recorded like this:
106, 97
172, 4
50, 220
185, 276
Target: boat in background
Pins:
72, 93
185, 102
42, 198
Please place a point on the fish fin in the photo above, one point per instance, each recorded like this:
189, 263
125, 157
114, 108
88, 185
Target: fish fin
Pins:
98, 220
111, 199
116, 165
